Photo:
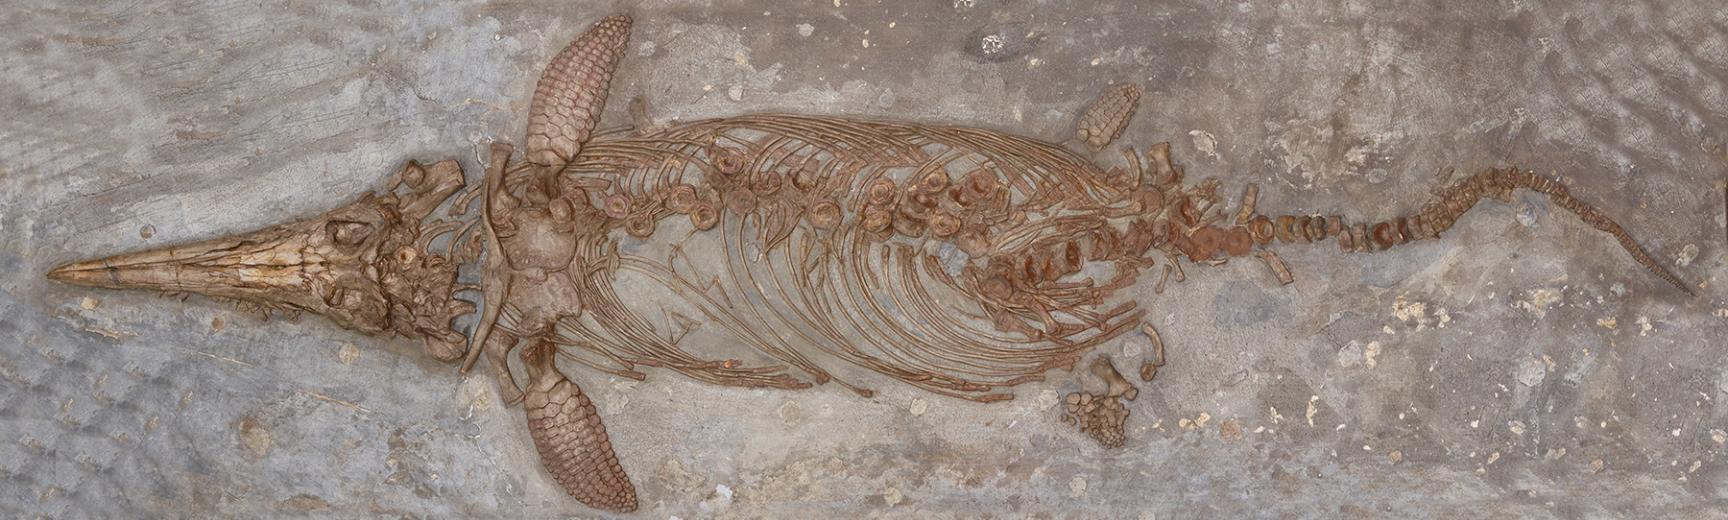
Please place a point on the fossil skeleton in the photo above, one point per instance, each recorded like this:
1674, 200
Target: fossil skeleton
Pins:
958, 260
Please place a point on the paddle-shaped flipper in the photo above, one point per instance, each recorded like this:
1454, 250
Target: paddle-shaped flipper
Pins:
572, 442
572, 91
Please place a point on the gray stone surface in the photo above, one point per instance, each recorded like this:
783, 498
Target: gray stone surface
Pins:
1521, 366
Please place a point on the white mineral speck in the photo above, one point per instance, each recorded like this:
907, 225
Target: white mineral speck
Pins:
1531, 371
1077, 487
1132, 349
721, 498
1687, 254
1350, 355
892, 496
1045, 400
1205, 142
347, 353
991, 44
1526, 215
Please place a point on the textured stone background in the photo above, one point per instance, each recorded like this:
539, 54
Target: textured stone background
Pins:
1522, 365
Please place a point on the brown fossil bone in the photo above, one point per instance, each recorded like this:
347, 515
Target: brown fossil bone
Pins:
362, 265
1116, 385
1250, 196
537, 236
567, 431
1451, 202
961, 261
1278, 268
1108, 116
572, 91
1149, 368
1102, 416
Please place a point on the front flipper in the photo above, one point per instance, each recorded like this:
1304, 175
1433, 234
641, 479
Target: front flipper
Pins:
572, 442
572, 91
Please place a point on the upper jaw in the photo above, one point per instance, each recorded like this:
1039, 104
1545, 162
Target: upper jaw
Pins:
364, 265
265, 266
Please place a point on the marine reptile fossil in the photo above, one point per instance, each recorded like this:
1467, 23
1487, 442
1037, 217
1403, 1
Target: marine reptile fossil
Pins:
957, 260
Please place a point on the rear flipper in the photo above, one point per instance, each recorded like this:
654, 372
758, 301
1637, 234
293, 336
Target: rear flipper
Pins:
567, 432
1442, 211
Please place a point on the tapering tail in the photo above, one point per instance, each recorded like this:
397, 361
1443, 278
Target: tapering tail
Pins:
1441, 212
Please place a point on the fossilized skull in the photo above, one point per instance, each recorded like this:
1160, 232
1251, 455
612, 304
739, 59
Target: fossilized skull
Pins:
365, 266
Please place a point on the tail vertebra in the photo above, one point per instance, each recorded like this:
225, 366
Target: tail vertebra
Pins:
1442, 211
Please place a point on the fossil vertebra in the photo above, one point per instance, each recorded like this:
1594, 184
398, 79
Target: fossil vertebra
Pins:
958, 260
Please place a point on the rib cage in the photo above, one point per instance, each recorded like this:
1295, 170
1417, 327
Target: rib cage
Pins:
790, 288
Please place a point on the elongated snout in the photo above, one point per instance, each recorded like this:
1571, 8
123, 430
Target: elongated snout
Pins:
363, 265
270, 265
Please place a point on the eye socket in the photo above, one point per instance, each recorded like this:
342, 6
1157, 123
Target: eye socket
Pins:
348, 232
